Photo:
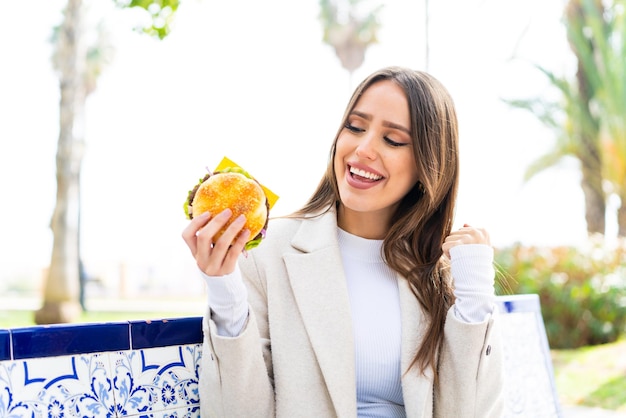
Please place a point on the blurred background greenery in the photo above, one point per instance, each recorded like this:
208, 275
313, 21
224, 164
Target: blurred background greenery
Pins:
582, 292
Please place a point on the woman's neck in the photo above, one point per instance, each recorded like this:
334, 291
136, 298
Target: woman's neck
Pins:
370, 225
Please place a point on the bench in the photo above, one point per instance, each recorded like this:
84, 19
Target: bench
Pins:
149, 368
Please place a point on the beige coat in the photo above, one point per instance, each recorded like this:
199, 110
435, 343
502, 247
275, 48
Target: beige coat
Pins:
295, 356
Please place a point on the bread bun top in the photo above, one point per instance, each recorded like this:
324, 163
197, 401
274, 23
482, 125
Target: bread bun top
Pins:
234, 190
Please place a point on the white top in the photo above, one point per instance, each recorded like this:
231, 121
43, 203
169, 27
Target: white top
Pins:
376, 324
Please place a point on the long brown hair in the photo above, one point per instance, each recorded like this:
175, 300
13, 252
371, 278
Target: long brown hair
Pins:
412, 246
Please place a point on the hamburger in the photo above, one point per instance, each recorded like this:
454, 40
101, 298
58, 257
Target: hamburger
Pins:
234, 188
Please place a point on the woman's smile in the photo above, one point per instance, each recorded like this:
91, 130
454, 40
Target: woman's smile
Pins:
362, 177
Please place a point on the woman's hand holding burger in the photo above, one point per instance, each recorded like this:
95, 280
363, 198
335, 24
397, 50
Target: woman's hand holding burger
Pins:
229, 213
216, 257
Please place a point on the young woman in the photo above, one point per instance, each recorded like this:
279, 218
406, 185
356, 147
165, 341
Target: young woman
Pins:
364, 302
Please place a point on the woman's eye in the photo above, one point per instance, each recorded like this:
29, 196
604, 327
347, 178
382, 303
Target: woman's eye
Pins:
353, 128
394, 143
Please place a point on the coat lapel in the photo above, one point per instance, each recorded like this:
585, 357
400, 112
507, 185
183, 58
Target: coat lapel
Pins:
319, 286
416, 389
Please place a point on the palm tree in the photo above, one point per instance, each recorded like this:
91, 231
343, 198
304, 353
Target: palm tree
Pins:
61, 288
602, 51
586, 130
572, 125
589, 121
598, 35
349, 30
78, 67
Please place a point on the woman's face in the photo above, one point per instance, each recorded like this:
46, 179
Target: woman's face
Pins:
374, 160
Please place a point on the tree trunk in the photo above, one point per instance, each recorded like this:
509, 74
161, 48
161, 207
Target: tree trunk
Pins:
595, 201
591, 167
621, 215
60, 303
588, 130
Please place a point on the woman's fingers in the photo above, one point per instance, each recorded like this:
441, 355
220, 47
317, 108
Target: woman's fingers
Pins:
230, 245
217, 256
191, 231
205, 235
465, 235
205, 240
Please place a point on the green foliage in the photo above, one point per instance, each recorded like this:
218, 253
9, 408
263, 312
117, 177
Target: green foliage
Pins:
568, 118
582, 291
161, 14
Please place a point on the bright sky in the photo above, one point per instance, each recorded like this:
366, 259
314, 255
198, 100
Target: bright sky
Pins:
252, 80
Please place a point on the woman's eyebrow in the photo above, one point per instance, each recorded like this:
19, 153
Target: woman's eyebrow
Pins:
396, 126
362, 115
388, 124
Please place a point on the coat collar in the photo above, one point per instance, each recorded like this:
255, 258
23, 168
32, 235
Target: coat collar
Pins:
324, 305
308, 238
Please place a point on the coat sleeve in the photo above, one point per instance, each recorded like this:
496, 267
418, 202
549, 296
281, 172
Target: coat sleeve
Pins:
471, 375
236, 373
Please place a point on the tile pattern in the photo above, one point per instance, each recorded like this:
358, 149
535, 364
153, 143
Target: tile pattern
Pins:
142, 381
158, 379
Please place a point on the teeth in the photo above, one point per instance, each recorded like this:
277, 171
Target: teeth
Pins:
365, 174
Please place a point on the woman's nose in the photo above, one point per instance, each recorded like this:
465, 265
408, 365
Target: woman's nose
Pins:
367, 147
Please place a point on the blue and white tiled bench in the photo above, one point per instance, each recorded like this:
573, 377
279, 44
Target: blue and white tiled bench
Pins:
135, 368
150, 368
